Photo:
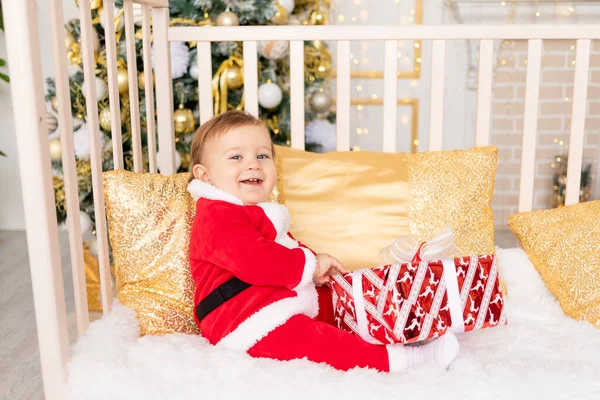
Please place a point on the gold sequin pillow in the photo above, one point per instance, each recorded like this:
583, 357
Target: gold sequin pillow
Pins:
149, 219
564, 246
352, 204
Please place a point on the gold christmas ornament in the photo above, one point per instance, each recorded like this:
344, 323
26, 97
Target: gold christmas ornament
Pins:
318, 17
142, 80
220, 84
104, 119
273, 49
320, 102
52, 122
281, 15
54, 104
227, 18
185, 121
122, 80
235, 77
55, 150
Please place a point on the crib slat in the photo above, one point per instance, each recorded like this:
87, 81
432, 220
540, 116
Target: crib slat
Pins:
23, 49
297, 93
250, 78
484, 97
436, 110
134, 99
164, 91
113, 89
149, 88
65, 126
532, 92
390, 95
89, 73
582, 65
204, 81
343, 95
154, 3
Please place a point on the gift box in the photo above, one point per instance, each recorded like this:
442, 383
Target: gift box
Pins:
419, 300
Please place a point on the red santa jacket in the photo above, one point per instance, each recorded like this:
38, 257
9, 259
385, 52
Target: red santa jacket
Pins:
251, 243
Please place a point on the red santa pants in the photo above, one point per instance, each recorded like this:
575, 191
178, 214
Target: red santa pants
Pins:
320, 341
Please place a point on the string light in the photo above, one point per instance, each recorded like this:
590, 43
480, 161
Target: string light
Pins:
365, 131
553, 165
359, 131
561, 142
503, 62
555, 140
566, 99
537, 14
356, 148
364, 14
405, 119
354, 19
358, 88
374, 96
412, 11
503, 3
558, 159
341, 18
417, 45
414, 83
416, 142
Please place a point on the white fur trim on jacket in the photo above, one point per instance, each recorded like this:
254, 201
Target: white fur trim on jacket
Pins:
199, 189
268, 318
310, 265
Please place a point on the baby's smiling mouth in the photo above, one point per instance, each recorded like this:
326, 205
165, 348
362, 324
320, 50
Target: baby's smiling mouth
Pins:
252, 181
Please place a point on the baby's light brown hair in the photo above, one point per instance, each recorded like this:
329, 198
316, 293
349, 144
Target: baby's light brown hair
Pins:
214, 128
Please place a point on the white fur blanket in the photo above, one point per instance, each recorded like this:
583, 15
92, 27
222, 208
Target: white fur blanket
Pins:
540, 354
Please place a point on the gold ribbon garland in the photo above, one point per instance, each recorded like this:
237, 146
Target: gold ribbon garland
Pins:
220, 86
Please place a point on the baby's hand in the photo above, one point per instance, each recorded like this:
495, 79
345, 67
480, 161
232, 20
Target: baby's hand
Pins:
326, 267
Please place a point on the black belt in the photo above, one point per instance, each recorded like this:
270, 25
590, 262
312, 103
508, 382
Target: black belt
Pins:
220, 295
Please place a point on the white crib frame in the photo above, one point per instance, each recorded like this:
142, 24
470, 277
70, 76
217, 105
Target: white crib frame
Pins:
36, 177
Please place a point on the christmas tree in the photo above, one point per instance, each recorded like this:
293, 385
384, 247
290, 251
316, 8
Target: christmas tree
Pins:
228, 84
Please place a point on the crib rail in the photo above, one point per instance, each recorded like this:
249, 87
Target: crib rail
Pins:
42, 231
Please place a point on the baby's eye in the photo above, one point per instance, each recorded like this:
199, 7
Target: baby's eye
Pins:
235, 157
263, 156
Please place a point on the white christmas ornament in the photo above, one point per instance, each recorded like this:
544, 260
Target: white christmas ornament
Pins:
101, 89
273, 49
180, 59
288, 5
177, 160
322, 132
269, 95
194, 71
137, 14
81, 141
118, 26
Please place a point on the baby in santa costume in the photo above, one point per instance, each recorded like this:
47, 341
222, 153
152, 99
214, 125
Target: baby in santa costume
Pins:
257, 289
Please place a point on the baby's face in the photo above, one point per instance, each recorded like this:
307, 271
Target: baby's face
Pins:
241, 163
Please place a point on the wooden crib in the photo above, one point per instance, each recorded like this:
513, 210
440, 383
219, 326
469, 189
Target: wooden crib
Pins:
36, 175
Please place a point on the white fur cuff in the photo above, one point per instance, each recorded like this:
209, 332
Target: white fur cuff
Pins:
310, 266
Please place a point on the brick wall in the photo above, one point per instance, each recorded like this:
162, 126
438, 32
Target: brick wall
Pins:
556, 91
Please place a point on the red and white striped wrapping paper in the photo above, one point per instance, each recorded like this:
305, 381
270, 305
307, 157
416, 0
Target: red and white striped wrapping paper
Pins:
412, 302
